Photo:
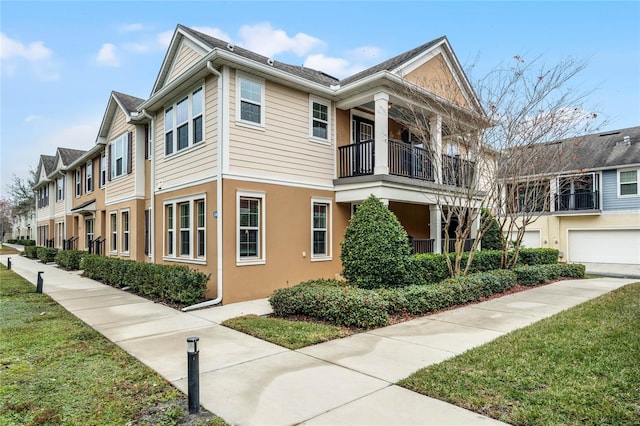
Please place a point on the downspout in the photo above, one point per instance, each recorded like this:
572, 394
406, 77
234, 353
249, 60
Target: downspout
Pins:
220, 138
152, 185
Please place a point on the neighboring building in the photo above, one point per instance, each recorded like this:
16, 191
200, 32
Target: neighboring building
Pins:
249, 169
591, 203
24, 226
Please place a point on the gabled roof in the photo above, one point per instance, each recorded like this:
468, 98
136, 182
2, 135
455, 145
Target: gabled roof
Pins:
68, 155
48, 162
393, 63
127, 103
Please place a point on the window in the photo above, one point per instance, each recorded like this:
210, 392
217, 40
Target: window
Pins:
200, 228
119, 154
628, 183
147, 234
187, 243
320, 120
88, 224
185, 230
78, 182
114, 232
59, 234
125, 231
43, 196
320, 225
250, 231
60, 189
251, 101
183, 123
103, 170
169, 243
89, 171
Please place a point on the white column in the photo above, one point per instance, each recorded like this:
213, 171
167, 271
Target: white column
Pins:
475, 225
381, 133
435, 227
553, 190
435, 127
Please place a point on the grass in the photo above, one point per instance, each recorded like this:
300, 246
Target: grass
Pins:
8, 250
57, 370
578, 367
287, 333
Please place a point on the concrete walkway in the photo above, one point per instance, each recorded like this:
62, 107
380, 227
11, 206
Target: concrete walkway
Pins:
348, 381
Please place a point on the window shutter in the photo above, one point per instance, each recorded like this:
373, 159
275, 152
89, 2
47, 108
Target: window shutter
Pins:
129, 153
83, 179
109, 162
93, 175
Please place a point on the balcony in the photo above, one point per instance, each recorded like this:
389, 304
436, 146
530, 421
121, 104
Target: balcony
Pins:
404, 160
421, 246
579, 201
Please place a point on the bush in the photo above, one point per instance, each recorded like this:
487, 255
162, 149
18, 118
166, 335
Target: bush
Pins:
538, 256
69, 259
375, 250
491, 240
46, 254
31, 252
27, 242
177, 284
337, 304
11, 241
538, 274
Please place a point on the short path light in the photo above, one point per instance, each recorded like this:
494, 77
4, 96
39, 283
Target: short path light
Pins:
193, 374
9, 263
39, 282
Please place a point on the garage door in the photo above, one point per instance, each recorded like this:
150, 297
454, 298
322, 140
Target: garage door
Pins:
531, 238
605, 246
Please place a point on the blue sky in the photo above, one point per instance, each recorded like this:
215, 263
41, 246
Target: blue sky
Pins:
60, 60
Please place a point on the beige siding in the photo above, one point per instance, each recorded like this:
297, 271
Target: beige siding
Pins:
59, 207
283, 150
436, 77
123, 186
185, 58
194, 163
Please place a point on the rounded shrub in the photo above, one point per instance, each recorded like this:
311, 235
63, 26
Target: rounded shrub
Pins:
491, 240
375, 250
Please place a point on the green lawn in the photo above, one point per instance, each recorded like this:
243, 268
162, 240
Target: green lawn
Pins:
579, 367
57, 370
287, 333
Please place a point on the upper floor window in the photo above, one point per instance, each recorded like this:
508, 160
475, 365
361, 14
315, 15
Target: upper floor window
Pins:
89, 172
43, 196
59, 189
119, 156
250, 101
183, 123
78, 182
628, 183
103, 170
319, 120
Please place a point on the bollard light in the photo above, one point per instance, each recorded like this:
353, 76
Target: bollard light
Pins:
39, 282
9, 263
193, 375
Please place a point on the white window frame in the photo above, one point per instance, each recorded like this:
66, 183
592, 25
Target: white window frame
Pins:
261, 259
89, 178
327, 104
189, 122
126, 230
122, 140
620, 183
188, 229
78, 182
88, 220
200, 228
103, 170
329, 234
113, 232
176, 230
60, 189
256, 80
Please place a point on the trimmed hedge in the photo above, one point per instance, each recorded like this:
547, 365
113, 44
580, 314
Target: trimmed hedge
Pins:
46, 254
31, 252
70, 259
327, 300
538, 256
538, 274
22, 242
173, 283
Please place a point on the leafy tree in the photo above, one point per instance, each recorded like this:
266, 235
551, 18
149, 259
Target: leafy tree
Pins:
491, 240
375, 250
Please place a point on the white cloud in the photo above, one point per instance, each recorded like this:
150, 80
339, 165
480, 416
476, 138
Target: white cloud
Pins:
337, 67
264, 39
164, 38
127, 28
36, 54
108, 55
213, 32
31, 118
79, 136
136, 47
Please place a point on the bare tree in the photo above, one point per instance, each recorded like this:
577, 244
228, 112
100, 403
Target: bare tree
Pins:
6, 217
497, 147
21, 193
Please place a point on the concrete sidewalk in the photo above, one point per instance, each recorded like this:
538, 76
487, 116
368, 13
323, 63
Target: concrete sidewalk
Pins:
348, 381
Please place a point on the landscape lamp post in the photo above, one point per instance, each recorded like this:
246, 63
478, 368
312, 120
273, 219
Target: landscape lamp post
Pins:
8, 263
39, 282
193, 374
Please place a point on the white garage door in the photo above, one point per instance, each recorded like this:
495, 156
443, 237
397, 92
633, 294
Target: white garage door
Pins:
531, 238
605, 246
